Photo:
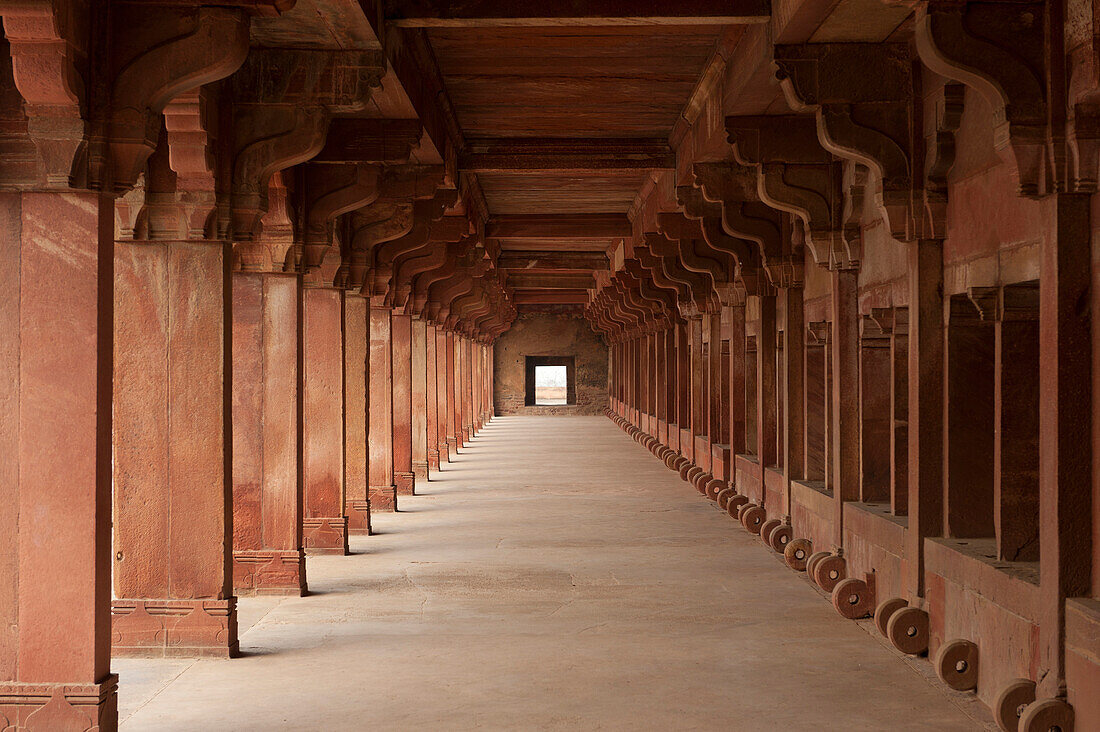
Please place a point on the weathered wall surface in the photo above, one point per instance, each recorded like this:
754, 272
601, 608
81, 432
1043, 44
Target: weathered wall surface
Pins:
550, 335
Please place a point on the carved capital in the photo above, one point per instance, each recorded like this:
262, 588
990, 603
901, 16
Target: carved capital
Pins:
266, 140
48, 40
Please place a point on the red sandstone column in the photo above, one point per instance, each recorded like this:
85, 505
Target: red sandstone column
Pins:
56, 275
698, 406
460, 391
172, 442
794, 421
671, 389
443, 394
383, 492
452, 395
660, 394
467, 390
475, 377
845, 395
1065, 407
925, 461
419, 400
899, 408
766, 391
718, 404
402, 405
356, 485
484, 386
737, 382
683, 386
267, 499
490, 380
431, 397
324, 525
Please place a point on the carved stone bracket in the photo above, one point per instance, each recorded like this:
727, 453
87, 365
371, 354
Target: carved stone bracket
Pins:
329, 192
735, 188
941, 157
997, 48
861, 116
49, 60
102, 140
283, 99
158, 53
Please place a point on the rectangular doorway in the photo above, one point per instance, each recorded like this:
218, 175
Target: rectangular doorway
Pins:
550, 381
550, 385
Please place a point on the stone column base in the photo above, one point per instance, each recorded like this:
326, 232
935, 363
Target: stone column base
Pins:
325, 535
78, 707
444, 452
420, 470
269, 572
174, 628
433, 458
383, 498
358, 513
405, 483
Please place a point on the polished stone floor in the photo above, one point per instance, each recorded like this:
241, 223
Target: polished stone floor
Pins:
555, 575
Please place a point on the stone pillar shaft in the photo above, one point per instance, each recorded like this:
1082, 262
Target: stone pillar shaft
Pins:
794, 370
925, 462
324, 525
172, 450
452, 394
55, 376
383, 493
419, 400
845, 395
431, 397
356, 484
403, 476
267, 498
443, 394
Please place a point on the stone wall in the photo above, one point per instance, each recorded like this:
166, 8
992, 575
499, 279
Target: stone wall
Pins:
550, 335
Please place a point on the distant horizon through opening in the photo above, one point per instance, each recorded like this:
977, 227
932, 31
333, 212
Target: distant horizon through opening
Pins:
551, 385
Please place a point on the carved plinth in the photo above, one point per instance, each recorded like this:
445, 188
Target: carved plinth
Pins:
177, 628
420, 469
433, 458
383, 498
450, 447
269, 572
75, 707
405, 483
325, 535
358, 513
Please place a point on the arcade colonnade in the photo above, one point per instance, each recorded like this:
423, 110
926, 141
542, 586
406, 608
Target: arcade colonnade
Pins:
251, 284
217, 361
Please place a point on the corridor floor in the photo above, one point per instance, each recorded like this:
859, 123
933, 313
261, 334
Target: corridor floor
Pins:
555, 576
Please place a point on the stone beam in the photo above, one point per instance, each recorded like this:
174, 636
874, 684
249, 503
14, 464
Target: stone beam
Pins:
565, 155
585, 226
352, 140
534, 260
504, 13
551, 281
555, 297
